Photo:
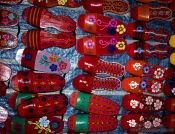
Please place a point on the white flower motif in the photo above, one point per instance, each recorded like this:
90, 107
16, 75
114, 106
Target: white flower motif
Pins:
159, 73
147, 124
141, 118
156, 87
156, 122
137, 66
173, 91
149, 100
158, 104
141, 106
44, 122
132, 123
133, 85
134, 103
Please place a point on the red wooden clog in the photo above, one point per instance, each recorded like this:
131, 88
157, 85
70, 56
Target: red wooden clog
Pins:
40, 39
34, 82
9, 1
2, 88
5, 72
41, 17
100, 45
89, 83
159, 1
95, 65
144, 69
91, 123
42, 61
53, 3
103, 25
94, 104
142, 103
142, 85
43, 125
101, 6
147, 13
3, 115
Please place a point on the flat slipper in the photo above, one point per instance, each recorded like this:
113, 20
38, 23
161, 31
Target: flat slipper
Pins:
40, 39
10, 1
100, 45
89, 83
5, 72
35, 82
159, 1
91, 123
3, 88
101, 6
41, 17
8, 18
94, 104
102, 25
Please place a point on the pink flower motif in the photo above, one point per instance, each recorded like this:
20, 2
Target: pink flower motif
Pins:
141, 118
62, 65
132, 123
113, 23
156, 87
113, 41
141, 106
158, 104
91, 19
89, 44
156, 122
5, 36
159, 73
149, 100
147, 124
5, 21
134, 103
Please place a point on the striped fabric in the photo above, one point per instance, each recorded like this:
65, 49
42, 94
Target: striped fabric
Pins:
33, 39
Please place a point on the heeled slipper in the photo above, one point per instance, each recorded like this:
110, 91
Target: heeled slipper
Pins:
5, 72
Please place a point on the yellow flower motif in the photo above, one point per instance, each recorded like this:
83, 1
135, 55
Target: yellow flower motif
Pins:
121, 29
121, 45
53, 58
62, 2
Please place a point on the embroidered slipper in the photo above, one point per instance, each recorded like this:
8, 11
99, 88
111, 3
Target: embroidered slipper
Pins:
95, 65
91, 123
41, 17
101, 6
34, 82
7, 40
144, 69
170, 89
45, 124
10, 1
42, 105
94, 104
99, 24
141, 122
142, 50
147, 13
100, 45
42, 61
159, 1
3, 114
8, 18
5, 72
88, 83
40, 39
3, 88
53, 3
142, 85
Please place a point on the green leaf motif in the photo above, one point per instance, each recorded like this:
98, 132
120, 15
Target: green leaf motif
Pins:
46, 132
46, 64
41, 61
59, 59
36, 127
37, 122
45, 57
40, 131
30, 122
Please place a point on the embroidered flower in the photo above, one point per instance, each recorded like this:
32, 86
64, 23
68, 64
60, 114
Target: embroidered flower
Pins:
156, 87
159, 73
113, 23
5, 21
53, 58
132, 123
158, 104
149, 100
53, 67
156, 122
5, 37
11, 16
111, 31
113, 41
134, 103
141, 118
62, 65
143, 84
111, 48
137, 66
133, 85
173, 91
54, 125
43, 122
120, 45
89, 44
146, 69
91, 19
141, 106
28, 56
62, 2
121, 29
147, 124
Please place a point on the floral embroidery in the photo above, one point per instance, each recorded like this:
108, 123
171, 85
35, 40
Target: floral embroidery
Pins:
134, 103
137, 66
112, 23
141, 106
54, 125
141, 118
133, 85
147, 124
53, 67
156, 87
89, 44
11, 16
28, 56
149, 100
53, 58
146, 69
5, 36
132, 123
159, 73
156, 122
91, 19
62, 2
62, 65
121, 45
44, 122
143, 84
158, 104
173, 91
113, 41
121, 29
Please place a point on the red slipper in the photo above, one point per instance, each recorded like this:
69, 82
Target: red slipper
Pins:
3, 115
42, 61
8, 18
45, 124
10, 1
147, 13
92, 123
159, 1
103, 25
88, 83
33, 82
100, 45
95, 65
40, 39
7, 40
101, 6
94, 104
170, 89
143, 122
142, 85
53, 3
42, 105
142, 103
41, 17
3, 88
142, 68
5, 72
141, 50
